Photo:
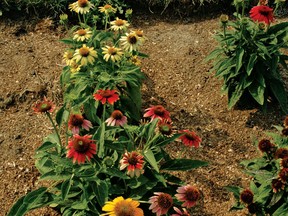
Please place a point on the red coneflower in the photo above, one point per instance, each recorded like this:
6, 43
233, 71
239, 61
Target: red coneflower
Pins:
286, 122
165, 128
277, 185
116, 119
246, 196
44, 106
76, 121
281, 153
157, 111
134, 163
283, 175
262, 13
180, 213
265, 145
189, 138
284, 162
104, 96
80, 148
188, 194
160, 203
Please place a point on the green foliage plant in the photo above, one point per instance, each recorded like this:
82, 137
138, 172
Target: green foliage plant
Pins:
250, 57
268, 190
100, 130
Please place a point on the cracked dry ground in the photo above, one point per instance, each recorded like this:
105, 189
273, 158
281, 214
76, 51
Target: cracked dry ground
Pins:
177, 77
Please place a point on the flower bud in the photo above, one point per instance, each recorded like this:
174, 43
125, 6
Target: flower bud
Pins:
247, 196
265, 145
224, 18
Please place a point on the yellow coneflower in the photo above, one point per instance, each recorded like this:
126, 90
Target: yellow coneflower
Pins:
68, 56
85, 55
107, 9
74, 67
82, 34
119, 24
120, 207
135, 60
130, 42
81, 6
112, 53
140, 35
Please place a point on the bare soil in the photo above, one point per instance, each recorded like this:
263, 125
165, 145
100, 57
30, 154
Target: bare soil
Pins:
177, 77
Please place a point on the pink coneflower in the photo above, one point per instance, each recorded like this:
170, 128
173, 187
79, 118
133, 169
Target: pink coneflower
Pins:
160, 203
76, 121
188, 194
262, 13
180, 213
116, 119
80, 148
104, 96
189, 138
134, 163
157, 111
43, 106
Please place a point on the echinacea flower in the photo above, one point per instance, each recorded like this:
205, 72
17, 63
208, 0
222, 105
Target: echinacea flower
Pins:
179, 212
74, 67
284, 162
80, 148
116, 119
157, 111
281, 153
82, 34
85, 55
107, 9
265, 145
224, 18
68, 57
165, 128
44, 106
134, 163
253, 208
284, 131
76, 121
135, 60
112, 53
130, 42
81, 6
160, 203
262, 13
285, 122
139, 34
246, 196
263, 2
122, 207
283, 175
189, 138
277, 185
188, 194
104, 96
119, 24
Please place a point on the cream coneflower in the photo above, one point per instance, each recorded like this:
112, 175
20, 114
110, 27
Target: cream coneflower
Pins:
130, 42
122, 207
135, 60
68, 57
82, 34
112, 53
119, 24
107, 9
140, 35
188, 194
134, 163
85, 55
160, 203
81, 6
116, 119
74, 67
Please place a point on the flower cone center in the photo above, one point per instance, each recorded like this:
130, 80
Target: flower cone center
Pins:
165, 201
133, 160
190, 136
106, 94
81, 146
81, 32
107, 6
132, 39
119, 22
84, 51
45, 107
159, 110
124, 209
165, 129
82, 3
139, 33
117, 115
192, 194
70, 55
77, 120
112, 51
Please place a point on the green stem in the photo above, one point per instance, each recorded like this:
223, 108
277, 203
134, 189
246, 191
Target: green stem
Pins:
79, 18
104, 113
106, 22
56, 130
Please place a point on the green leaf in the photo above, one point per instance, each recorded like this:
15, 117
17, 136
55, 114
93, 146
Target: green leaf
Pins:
116, 172
251, 63
52, 175
239, 58
235, 190
167, 140
100, 136
214, 54
149, 156
62, 115
234, 95
257, 91
182, 164
80, 205
279, 92
100, 189
45, 146
65, 188
282, 210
